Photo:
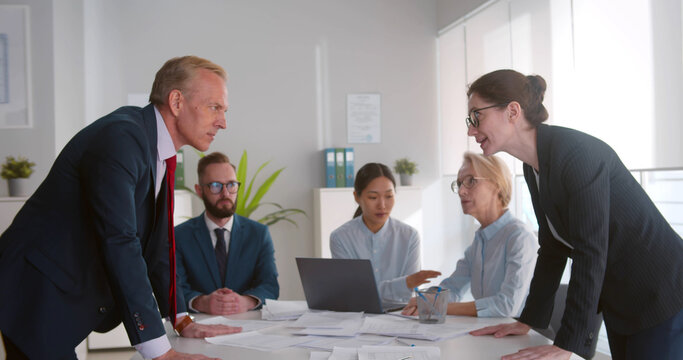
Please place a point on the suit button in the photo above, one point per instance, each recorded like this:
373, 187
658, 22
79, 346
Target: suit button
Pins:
590, 336
136, 315
102, 309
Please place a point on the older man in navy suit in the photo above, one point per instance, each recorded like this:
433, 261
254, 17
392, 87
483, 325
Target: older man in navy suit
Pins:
93, 246
225, 261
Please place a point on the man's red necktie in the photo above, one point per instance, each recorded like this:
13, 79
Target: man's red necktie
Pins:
170, 184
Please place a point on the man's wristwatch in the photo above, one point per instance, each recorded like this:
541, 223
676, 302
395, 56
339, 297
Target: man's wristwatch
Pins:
182, 324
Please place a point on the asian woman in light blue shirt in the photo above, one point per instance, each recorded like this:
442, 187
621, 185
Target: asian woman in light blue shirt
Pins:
392, 246
499, 263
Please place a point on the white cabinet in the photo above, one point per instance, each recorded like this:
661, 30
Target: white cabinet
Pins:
332, 207
9, 207
182, 206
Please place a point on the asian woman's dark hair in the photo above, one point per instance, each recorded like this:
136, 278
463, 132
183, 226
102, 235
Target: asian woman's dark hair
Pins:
504, 86
366, 174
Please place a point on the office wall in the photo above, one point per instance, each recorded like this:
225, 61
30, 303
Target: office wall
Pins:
36, 143
628, 75
291, 65
449, 11
69, 75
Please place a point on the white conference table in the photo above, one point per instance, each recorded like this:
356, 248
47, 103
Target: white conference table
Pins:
462, 347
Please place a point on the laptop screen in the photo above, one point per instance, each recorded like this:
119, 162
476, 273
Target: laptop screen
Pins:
339, 285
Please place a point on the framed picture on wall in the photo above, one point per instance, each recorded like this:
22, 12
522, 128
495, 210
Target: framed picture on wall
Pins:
15, 74
363, 118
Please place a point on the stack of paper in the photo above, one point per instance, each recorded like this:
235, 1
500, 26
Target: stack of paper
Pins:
283, 310
329, 323
342, 353
319, 355
414, 330
258, 341
325, 319
381, 353
400, 315
399, 352
328, 343
246, 325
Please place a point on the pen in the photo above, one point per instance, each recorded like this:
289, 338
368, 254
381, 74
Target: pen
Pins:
405, 358
405, 342
427, 302
438, 290
420, 294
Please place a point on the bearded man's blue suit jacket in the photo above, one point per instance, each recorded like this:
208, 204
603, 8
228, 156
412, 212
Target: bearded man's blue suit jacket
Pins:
90, 246
251, 260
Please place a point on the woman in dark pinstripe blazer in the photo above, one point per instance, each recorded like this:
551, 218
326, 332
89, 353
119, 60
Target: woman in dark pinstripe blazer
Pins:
627, 261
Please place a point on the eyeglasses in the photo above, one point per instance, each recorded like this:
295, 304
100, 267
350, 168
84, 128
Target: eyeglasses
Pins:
470, 121
468, 182
216, 187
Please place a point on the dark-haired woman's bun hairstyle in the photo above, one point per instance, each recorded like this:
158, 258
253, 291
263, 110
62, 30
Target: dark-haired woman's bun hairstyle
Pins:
504, 86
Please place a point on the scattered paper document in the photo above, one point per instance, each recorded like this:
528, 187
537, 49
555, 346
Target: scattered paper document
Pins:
413, 329
319, 355
257, 341
348, 328
340, 353
283, 310
398, 313
246, 325
386, 353
399, 352
329, 323
326, 319
329, 343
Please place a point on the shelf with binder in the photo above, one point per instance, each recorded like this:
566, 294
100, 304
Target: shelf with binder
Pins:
339, 167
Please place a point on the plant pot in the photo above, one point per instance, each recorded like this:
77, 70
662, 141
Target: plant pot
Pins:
18, 187
406, 180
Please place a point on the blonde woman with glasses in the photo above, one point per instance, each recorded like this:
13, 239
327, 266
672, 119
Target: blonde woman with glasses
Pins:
499, 263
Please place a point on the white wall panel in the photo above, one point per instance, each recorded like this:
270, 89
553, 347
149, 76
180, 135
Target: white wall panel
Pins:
489, 48
614, 89
452, 99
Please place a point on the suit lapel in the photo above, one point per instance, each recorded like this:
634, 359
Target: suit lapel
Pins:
203, 242
545, 192
150, 125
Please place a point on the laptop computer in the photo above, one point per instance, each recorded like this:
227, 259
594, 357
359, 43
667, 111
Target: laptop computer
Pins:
339, 285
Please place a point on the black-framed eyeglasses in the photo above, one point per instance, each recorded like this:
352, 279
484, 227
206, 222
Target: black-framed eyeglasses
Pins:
216, 187
468, 182
474, 121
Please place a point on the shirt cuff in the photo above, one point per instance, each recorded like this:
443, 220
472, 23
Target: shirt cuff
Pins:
399, 290
189, 305
486, 308
154, 348
258, 301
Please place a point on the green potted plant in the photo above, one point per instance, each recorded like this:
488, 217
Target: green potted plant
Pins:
250, 195
406, 169
16, 171
246, 204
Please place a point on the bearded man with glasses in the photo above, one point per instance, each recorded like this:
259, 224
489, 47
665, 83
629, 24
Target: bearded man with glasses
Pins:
226, 262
